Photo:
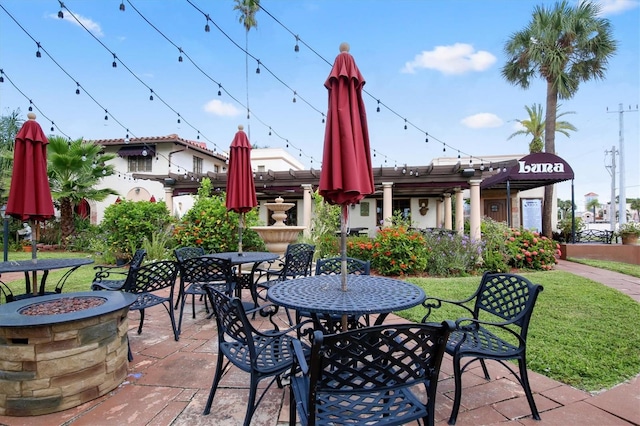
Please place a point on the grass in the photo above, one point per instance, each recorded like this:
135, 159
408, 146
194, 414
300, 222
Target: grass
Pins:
582, 333
623, 268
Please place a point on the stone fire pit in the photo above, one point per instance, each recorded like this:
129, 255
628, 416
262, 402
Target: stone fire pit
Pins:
62, 350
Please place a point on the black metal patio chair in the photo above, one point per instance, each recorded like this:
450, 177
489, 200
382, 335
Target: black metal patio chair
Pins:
182, 254
369, 376
297, 263
147, 283
283, 268
196, 272
113, 277
495, 326
262, 354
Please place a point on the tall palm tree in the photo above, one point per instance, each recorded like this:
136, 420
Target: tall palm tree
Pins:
74, 169
565, 46
592, 205
534, 126
564, 208
247, 17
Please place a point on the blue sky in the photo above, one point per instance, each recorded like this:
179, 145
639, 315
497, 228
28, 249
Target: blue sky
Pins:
434, 63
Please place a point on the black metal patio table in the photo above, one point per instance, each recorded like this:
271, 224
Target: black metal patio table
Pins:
365, 295
237, 259
46, 265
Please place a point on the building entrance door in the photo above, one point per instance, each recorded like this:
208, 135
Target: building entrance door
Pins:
496, 210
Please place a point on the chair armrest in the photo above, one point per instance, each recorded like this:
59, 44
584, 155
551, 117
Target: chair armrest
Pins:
300, 357
431, 303
103, 272
471, 324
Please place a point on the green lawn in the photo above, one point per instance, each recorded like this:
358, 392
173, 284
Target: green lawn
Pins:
582, 333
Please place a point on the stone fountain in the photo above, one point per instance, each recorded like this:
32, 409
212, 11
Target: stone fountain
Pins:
279, 235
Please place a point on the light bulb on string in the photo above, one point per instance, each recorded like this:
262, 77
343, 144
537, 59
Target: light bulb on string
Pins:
269, 131
219, 90
206, 27
38, 54
52, 125
144, 152
490, 167
83, 158
482, 165
122, 6
126, 138
180, 56
258, 69
151, 95
106, 115
198, 137
378, 108
296, 48
427, 137
30, 105
323, 118
60, 14
114, 64
178, 118
77, 88
294, 96
405, 124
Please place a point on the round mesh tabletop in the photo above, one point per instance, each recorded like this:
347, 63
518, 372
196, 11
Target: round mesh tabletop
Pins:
365, 294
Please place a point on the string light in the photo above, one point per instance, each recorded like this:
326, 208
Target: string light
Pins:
114, 64
296, 47
180, 56
405, 124
38, 54
294, 96
258, 69
122, 6
378, 108
106, 114
77, 88
206, 27
151, 95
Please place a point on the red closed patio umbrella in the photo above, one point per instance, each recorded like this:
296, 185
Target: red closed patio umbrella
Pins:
30, 195
241, 190
346, 175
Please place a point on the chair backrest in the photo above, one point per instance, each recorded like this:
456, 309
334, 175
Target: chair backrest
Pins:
137, 258
205, 270
507, 296
183, 253
151, 277
375, 360
298, 260
333, 266
233, 324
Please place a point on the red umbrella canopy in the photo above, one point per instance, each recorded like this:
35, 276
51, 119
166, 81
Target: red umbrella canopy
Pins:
30, 195
241, 191
346, 175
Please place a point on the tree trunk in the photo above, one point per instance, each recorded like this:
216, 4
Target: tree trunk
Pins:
66, 219
550, 147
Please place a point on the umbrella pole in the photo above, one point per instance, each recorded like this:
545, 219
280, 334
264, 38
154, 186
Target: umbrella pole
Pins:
240, 226
343, 255
34, 255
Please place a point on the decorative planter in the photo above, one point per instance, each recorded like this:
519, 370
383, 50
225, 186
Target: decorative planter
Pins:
630, 239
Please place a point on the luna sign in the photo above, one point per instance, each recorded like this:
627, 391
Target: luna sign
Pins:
540, 167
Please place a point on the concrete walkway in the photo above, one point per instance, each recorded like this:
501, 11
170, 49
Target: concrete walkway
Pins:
169, 381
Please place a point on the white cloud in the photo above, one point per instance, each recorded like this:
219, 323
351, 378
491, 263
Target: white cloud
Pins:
613, 7
482, 121
457, 59
217, 107
88, 23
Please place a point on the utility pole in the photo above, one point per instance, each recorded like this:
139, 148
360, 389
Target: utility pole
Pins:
622, 196
612, 172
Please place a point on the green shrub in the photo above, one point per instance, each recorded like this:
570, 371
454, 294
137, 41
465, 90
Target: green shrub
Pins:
360, 248
530, 250
128, 223
398, 251
495, 256
324, 225
565, 225
451, 254
160, 246
208, 224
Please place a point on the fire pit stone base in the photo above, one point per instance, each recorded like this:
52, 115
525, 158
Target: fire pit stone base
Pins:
52, 367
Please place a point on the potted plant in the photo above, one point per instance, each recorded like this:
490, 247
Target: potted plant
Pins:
629, 232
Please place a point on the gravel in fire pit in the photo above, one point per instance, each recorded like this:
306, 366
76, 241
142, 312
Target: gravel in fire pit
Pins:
62, 306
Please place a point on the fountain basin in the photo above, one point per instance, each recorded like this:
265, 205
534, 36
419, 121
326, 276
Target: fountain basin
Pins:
54, 362
277, 238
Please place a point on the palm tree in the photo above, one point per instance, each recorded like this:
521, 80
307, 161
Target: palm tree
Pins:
247, 9
565, 46
9, 127
74, 169
534, 126
564, 208
635, 205
592, 205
